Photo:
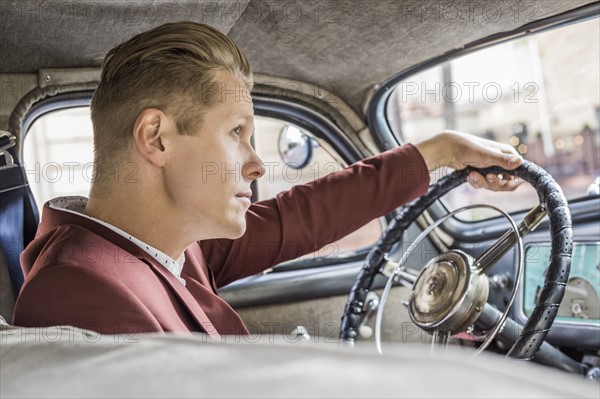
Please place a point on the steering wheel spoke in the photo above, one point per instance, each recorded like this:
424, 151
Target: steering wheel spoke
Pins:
402, 274
505, 243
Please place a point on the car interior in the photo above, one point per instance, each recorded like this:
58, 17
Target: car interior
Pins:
458, 273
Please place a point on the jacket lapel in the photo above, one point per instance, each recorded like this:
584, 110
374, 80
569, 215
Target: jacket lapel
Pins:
183, 294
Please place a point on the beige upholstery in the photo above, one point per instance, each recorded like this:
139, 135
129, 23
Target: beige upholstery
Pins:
70, 362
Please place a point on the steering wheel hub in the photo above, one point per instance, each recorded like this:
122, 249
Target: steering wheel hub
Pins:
448, 295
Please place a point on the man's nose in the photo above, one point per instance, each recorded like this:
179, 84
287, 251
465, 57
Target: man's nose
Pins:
254, 169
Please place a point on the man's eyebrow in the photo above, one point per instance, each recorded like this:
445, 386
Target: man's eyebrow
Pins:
244, 117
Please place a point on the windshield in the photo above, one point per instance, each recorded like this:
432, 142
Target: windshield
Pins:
539, 93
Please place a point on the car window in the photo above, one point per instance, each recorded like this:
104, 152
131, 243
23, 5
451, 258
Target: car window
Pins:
58, 154
539, 93
58, 159
294, 156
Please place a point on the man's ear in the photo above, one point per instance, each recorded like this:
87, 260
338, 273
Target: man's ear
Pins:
148, 133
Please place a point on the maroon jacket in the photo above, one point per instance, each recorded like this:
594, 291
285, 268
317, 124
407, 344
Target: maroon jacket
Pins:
83, 274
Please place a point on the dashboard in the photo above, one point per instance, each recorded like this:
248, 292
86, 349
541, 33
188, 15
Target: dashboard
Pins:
581, 303
577, 324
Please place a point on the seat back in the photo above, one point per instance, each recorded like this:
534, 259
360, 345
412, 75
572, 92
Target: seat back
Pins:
7, 298
18, 222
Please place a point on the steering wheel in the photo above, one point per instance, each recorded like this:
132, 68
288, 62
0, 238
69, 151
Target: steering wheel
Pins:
451, 291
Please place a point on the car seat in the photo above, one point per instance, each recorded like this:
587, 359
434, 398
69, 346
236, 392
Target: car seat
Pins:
18, 222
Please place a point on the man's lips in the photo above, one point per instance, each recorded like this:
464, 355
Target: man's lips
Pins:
245, 196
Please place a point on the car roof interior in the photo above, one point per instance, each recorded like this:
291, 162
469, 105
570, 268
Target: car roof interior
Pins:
352, 45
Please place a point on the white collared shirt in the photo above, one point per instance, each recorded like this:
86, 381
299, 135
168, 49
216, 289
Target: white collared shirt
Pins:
76, 205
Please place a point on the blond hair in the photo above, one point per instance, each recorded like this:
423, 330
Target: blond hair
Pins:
168, 68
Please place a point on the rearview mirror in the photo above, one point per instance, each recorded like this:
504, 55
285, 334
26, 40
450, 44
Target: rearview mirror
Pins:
295, 147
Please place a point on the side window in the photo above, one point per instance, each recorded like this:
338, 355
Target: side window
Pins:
293, 156
540, 94
58, 155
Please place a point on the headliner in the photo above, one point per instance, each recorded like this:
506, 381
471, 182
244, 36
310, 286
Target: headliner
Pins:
345, 46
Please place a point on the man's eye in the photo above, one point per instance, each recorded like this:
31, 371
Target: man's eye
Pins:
237, 130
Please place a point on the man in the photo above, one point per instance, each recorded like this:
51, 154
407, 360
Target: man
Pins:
147, 252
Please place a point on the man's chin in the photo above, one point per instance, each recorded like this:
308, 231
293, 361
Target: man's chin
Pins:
237, 231
230, 228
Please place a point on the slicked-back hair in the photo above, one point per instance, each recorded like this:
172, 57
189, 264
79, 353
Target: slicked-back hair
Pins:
172, 68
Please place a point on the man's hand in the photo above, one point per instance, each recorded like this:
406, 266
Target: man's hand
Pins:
459, 150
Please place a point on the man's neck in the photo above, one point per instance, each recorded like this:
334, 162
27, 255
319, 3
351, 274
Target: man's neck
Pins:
146, 220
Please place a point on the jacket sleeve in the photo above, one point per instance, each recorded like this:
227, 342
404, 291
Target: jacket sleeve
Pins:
309, 216
99, 304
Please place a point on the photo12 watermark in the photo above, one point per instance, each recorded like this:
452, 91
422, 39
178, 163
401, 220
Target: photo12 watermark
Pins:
467, 92
469, 11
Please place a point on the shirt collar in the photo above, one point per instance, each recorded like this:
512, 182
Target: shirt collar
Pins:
76, 205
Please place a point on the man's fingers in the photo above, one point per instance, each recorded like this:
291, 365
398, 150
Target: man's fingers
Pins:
503, 155
494, 182
477, 180
512, 161
508, 149
507, 159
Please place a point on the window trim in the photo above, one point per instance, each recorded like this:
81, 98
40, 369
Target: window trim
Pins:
311, 121
385, 139
54, 103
